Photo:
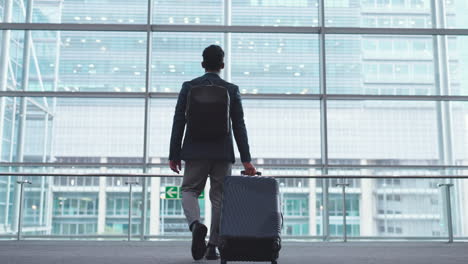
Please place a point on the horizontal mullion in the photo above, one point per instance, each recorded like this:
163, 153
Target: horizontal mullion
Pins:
234, 29
396, 97
149, 175
72, 94
267, 166
74, 27
231, 29
266, 96
394, 31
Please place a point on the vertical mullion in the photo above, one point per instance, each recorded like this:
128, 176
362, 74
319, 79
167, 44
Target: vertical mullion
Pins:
444, 113
227, 39
323, 120
143, 180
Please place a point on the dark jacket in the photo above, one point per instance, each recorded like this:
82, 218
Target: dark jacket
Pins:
218, 149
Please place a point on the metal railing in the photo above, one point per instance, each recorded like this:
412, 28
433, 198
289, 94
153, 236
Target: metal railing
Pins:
443, 185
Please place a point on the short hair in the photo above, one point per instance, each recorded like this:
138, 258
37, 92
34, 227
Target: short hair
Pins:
213, 57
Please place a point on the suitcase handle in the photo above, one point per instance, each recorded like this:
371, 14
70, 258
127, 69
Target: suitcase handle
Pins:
258, 173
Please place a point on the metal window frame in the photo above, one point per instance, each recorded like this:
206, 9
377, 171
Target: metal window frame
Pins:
321, 31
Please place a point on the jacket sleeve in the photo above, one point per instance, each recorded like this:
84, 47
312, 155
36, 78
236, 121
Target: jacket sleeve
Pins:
238, 126
178, 125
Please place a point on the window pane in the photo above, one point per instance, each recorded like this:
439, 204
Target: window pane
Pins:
188, 12
294, 138
275, 12
455, 13
177, 58
378, 13
383, 132
73, 61
457, 65
83, 12
377, 64
275, 63
85, 130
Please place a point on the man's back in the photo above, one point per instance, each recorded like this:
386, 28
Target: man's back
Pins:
217, 148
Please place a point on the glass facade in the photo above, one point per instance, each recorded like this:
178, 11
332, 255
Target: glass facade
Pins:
102, 90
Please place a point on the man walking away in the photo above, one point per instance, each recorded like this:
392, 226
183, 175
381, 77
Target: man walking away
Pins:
208, 106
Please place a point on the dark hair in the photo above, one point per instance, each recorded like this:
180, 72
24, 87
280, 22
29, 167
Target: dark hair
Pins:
213, 57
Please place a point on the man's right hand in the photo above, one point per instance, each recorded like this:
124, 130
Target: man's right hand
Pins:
175, 165
249, 168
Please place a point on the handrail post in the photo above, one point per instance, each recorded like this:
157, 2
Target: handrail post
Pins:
448, 208
21, 202
130, 202
343, 189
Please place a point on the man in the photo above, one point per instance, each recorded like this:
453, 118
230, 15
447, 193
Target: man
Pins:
207, 158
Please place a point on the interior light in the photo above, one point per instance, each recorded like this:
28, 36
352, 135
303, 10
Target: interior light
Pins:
251, 42
251, 47
171, 66
279, 50
51, 65
74, 71
137, 73
288, 67
67, 39
98, 40
186, 20
172, 70
120, 20
244, 91
128, 89
117, 89
88, 18
91, 65
197, 20
134, 66
77, 18
266, 69
140, 41
247, 73
217, 42
131, 20
255, 91
297, 74
116, 68
103, 48
83, 41
171, 20
301, 66
103, 18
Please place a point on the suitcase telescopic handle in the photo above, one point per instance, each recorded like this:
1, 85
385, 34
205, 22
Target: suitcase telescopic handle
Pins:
258, 173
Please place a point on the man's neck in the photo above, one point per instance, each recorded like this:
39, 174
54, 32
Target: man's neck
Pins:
215, 72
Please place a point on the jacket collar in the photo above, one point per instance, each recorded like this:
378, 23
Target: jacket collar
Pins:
212, 75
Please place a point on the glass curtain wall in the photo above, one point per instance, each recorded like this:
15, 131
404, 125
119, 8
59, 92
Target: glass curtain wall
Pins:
331, 87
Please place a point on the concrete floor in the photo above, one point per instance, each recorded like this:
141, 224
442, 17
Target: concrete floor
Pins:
172, 252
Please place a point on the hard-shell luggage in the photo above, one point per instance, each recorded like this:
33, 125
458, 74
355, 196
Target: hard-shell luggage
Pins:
251, 219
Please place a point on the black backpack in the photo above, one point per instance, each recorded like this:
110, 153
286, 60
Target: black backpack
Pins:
207, 112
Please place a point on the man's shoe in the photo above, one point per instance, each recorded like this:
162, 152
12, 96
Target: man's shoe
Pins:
198, 240
211, 253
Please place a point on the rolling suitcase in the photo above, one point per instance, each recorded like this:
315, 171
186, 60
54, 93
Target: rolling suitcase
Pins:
251, 220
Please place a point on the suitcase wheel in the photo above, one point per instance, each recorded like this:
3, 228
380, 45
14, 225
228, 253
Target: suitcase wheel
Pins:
223, 261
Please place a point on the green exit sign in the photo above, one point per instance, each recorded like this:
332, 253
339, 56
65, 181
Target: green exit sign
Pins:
175, 192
